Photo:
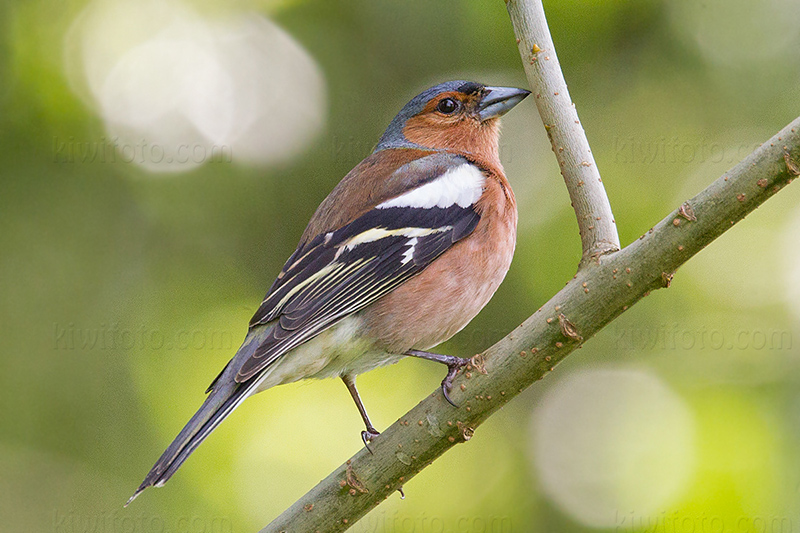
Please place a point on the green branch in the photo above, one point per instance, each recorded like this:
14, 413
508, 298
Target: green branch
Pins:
599, 293
608, 283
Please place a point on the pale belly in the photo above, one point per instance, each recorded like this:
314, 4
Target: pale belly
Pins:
335, 352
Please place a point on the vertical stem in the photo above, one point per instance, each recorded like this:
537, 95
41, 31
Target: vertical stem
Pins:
595, 220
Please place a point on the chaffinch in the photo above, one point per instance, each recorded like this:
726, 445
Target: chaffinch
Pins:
401, 255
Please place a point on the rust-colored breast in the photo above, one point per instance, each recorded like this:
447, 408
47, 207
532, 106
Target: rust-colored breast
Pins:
437, 303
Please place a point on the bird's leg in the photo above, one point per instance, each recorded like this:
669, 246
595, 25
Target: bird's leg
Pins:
370, 433
453, 365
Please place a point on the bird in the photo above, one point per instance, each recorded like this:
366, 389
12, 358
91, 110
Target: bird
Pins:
401, 255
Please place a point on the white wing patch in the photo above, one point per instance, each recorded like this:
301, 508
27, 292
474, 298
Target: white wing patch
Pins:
374, 234
408, 255
462, 185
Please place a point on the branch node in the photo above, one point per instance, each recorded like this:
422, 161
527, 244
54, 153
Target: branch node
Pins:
791, 164
568, 329
687, 212
479, 362
354, 482
599, 250
466, 431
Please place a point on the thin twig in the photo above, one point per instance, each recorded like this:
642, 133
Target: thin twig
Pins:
598, 294
595, 220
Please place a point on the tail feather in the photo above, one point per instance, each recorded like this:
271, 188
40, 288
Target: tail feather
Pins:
226, 395
213, 411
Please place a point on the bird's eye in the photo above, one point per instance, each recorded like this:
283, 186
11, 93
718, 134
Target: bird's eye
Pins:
448, 106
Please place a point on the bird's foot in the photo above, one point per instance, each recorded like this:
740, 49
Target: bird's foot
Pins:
367, 435
452, 369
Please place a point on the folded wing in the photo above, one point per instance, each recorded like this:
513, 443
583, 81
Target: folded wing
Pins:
342, 271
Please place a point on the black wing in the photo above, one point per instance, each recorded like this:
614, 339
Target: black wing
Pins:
341, 272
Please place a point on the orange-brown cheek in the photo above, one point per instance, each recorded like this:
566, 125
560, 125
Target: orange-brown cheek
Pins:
466, 136
435, 132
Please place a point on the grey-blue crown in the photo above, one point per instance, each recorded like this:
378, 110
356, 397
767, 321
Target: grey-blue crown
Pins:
393, 136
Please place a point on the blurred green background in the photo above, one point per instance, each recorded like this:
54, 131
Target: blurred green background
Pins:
127, 280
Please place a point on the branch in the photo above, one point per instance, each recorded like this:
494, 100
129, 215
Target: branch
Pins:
599, 293
602, 289
595, 220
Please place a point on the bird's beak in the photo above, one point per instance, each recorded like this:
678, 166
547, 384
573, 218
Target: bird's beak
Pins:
497, 101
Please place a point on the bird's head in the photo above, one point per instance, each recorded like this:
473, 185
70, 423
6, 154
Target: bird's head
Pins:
458, 116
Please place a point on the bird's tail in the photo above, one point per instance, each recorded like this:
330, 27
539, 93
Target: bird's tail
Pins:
214, 410
225, 396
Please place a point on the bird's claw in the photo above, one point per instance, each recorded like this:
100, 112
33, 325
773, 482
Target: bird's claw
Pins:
447, 382
367, 435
